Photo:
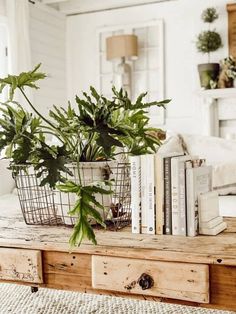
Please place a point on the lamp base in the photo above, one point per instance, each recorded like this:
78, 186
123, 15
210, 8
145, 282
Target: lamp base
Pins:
122, 77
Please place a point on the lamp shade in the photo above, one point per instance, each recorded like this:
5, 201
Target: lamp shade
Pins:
122, 46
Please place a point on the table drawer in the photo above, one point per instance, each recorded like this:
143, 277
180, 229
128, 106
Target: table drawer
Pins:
182, 281
21, 265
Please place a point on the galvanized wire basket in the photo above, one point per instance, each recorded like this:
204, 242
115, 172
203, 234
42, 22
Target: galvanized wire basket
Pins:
42, 205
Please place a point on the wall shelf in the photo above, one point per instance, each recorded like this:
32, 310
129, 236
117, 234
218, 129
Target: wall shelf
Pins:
218, 93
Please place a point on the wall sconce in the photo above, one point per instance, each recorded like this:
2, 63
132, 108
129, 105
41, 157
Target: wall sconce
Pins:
122, 47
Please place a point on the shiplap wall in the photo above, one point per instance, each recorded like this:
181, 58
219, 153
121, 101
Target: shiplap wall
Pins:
47, 35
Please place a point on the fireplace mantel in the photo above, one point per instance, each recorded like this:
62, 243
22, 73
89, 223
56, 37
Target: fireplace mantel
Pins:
219, 112
218, 93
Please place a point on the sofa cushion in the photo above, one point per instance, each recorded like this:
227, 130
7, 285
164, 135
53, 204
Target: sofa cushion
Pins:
172, 144
221, 154
215, 150
224, 177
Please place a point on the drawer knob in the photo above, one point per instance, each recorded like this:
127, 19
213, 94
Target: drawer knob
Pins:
145, 281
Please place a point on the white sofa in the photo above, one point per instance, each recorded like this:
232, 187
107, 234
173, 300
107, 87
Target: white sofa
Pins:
6, 181
8, 199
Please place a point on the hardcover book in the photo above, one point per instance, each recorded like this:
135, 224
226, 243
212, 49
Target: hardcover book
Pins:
208, 206
178, 195
215, 230
135, 176
147, 194
211, 223
198, 180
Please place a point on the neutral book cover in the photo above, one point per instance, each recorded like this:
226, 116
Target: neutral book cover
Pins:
135, 176
215, 230
147, 194
178, 195
198, 180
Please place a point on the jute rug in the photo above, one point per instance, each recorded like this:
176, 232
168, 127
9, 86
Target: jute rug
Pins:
16, 299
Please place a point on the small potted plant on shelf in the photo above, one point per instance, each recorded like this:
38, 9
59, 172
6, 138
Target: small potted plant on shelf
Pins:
227, 72
95, 129
207, 42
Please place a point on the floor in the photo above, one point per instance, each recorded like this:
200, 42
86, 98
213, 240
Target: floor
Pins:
16, 299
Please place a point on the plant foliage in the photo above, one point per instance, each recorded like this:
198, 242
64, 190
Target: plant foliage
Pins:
90, 130
209, 15
208, 41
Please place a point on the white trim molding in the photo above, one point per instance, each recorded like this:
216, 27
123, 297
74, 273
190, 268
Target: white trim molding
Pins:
218, 111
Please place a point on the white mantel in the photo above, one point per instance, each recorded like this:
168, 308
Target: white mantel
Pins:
219, 112
218, 93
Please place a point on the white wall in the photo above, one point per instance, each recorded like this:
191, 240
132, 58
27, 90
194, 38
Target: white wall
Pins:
47, 36
182, 25
2, 7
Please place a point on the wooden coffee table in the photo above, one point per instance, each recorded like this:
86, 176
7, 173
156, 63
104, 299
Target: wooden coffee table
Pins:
199, 271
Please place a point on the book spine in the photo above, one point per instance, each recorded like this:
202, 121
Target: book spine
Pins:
159, 187
182, 199
167, 196
135, 193
192, 215
175, 196
150, 194
144, 195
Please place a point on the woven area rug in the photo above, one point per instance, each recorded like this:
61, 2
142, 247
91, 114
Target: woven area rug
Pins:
17, 299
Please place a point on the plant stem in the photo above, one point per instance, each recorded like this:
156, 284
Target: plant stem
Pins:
35, 110
46, 120
47, 132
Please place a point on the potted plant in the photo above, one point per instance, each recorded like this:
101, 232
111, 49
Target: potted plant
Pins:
227, 72
207, 42
90, 131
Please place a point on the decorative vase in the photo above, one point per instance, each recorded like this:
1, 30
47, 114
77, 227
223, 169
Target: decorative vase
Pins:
208, 72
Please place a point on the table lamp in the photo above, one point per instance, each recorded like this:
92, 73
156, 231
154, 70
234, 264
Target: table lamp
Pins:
122, 47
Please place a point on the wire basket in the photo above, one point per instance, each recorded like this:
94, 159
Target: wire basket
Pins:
42, 205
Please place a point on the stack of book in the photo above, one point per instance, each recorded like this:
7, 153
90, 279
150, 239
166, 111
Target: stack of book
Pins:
164, 193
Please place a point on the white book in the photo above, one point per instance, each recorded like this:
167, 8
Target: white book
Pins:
135, 176
211, 223
198, 180
208, 206
144, 198
160, 192
178, 195
213, 231
147, 194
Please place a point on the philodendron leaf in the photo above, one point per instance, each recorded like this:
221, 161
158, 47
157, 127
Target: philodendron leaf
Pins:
52, 162
24, 79
82, 229
68, 187
85, 209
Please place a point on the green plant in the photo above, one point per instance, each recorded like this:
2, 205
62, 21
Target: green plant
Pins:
91, 130
209, 40
209, 15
